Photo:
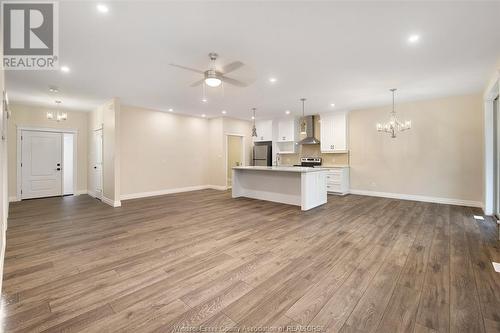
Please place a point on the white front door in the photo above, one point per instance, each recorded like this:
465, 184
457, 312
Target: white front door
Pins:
41, 160
96, 163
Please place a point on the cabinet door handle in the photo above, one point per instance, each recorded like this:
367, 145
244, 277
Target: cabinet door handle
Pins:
284, 138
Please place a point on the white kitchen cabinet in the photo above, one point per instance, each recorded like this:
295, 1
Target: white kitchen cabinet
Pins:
264, 130
337, 180
334, 132
287, 129
287, 136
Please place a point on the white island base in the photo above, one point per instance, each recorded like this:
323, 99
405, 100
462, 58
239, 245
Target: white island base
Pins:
300, 186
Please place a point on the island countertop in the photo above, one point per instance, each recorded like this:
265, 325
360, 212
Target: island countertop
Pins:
279, 168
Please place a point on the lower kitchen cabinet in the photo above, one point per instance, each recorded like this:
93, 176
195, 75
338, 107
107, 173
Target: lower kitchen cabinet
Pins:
337, 180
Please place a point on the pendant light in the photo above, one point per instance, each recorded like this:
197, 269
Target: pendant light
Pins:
394, 125
303, 124
254, 129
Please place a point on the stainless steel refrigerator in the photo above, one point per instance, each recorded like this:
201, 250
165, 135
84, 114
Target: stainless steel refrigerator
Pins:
262, 155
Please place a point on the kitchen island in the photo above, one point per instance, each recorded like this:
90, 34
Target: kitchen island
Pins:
300, 186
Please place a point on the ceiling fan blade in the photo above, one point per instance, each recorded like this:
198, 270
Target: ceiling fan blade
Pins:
188, 68
232, 67
233, 81
197, 83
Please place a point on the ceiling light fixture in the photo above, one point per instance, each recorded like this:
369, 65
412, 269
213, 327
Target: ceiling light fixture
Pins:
204, 100
254, 129
57, 116
65, 69
171, 110
101, 8
203, 115
303, 124
394, 125
224, 111
53, 89
287, 111
273, 79
211, 77
332, 105
413, 39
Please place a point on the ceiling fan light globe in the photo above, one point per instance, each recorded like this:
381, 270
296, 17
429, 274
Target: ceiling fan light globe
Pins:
213, 82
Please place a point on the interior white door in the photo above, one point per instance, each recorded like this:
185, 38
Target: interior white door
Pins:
96, 163
41, 158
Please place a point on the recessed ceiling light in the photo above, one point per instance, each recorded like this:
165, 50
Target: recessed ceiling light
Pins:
203, 115
332, 105
253, 117
101, 8
224, 111
273, 79
204, 100
287, 111
413, 38
65, 69
171, 110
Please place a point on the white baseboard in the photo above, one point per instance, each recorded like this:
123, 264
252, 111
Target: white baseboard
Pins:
79, 192
116, 203
446, 201
170, 191
13, 199
217, 187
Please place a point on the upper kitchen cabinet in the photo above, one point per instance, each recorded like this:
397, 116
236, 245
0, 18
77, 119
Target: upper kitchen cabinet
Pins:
287, 130
287, 135
264, 130
334, 130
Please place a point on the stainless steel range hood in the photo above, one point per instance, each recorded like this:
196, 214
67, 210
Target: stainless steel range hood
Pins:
309, 139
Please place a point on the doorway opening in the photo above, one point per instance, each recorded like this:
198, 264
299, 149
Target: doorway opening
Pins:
47, 162
234, 155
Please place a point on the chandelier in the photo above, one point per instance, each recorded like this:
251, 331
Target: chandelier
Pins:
57, 116
394, 125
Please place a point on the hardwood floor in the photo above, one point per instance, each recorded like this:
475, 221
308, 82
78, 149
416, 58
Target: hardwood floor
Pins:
203, 261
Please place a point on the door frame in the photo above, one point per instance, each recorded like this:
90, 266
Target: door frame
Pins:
20, 129
243, 153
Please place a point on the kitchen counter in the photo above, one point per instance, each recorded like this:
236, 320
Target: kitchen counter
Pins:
288, 168
319, 167
300, 186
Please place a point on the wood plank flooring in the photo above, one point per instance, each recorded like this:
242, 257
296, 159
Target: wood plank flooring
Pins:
201, 261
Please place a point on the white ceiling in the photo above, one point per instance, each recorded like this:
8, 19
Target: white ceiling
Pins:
347, 53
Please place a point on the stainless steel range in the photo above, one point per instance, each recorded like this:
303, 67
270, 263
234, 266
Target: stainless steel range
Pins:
309, 162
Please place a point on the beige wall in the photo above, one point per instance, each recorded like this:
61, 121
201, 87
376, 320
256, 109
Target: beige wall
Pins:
165, 151
161, 151
441, 156
25, 115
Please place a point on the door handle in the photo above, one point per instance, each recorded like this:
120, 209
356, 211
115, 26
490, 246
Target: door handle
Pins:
58, 169
95, 167
58, 164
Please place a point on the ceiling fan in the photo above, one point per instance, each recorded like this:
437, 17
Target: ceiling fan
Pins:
213, 77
